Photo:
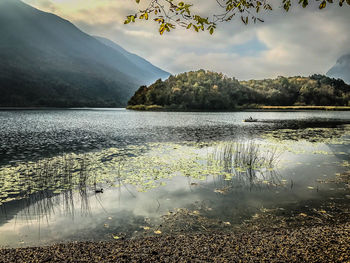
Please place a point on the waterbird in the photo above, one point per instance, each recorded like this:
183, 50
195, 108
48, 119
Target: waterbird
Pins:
99, 191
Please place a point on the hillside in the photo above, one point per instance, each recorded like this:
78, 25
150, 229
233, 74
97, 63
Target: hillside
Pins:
47, 61
341, 69
205, 90
152, 71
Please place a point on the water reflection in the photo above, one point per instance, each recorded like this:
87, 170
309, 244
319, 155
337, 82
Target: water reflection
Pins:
217, 184
44, 178
165, 172
144, 167
33, 135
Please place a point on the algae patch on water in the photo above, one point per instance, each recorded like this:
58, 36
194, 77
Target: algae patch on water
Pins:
145, 167
337, 135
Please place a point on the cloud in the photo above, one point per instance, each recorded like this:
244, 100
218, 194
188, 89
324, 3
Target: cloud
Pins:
300, 42
46, 5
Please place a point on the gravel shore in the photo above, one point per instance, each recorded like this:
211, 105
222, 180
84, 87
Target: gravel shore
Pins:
304, 244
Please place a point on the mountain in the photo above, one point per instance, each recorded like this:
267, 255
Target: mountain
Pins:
341, 69
152, 71
47, 61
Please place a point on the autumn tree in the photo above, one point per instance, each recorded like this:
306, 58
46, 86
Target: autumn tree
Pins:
171, 13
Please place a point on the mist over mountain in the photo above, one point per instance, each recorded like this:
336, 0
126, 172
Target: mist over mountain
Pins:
152, 71
47, 61
341, 69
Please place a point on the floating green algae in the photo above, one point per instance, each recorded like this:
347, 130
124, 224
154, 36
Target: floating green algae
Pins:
338, 135
152, 165
145, 167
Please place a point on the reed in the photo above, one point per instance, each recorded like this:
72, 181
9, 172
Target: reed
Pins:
247, 162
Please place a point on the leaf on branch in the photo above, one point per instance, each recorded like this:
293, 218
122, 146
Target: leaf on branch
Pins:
165, 27
164, 11
323, 4
129, 19
162, 29
305, 3
159, 20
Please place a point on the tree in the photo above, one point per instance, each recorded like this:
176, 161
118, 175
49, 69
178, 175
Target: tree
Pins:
206, 90
169, 13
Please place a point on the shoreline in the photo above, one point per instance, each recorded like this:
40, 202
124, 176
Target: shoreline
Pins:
325, 243
259, 109
56, 108
306, 233
161, 109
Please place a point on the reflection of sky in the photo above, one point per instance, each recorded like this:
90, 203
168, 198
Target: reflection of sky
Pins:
128, 208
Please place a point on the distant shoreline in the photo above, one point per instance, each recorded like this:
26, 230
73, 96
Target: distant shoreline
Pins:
331, 108
164, 109
55, 108
258, 109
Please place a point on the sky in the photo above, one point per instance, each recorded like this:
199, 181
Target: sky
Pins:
300, 42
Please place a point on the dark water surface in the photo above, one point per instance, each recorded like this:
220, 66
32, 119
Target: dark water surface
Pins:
159, 170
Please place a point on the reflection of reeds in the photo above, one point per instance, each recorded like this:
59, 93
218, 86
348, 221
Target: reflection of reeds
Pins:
247, 162
47, 183
55, 175
43, 204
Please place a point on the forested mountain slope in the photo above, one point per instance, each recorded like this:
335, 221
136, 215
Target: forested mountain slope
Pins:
47, 61
205, 90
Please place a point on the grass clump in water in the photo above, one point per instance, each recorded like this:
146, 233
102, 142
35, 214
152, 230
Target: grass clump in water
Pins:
247, 161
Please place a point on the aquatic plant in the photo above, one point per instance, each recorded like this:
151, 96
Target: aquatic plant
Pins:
248, 162
144, 167
46, 176
335, 135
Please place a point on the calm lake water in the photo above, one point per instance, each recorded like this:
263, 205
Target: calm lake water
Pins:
161, 172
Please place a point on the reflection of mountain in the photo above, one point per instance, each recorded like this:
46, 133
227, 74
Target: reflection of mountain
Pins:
47, 61
341, 69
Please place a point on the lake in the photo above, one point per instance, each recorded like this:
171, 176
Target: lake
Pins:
163, 172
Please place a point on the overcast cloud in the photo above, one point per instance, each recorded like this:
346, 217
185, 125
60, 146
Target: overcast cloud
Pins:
300, 42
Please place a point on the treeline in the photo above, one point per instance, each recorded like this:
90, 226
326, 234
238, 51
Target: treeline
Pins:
206, 90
